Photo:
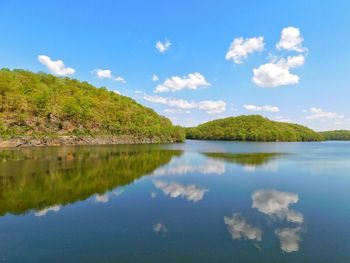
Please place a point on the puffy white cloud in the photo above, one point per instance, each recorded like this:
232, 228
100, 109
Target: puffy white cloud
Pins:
252, 107
56, 67
155, 78
291, 40
276, 204
107, 74
174, 190
191, 81
289, 238
273, 75
210, 106
162, 47
178, 103
240, 48
318, 113
160, 228
278, 73
103, 73
239, 228
43, 212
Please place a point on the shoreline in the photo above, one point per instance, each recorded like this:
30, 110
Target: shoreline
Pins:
71, 140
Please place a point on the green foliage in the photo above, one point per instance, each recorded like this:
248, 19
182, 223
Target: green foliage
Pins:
337, 135
43, 104
251, 128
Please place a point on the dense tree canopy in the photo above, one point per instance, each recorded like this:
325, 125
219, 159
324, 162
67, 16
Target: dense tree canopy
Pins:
42, 104
251, 128
338, 135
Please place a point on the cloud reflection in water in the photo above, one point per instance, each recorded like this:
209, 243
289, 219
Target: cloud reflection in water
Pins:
276, 205
289, 238
43, 212
173, 189
239, 228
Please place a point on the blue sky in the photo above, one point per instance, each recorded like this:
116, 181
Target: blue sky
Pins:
287, 60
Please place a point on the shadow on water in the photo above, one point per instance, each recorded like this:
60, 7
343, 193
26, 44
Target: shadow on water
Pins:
255, 159
43, 177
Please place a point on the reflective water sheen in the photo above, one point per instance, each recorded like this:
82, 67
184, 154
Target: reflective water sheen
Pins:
199, 201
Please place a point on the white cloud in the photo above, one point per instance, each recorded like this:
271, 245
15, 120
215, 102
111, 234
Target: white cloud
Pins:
210, 106
239, 228
240, 48
174, 190
120, 79
251, 107
291, 40
276, 204
191, 81
318, 113
43, 212
289, 238
103, 73
107, 74
176, 111
278, 73
155, 78
162, 47
56, 67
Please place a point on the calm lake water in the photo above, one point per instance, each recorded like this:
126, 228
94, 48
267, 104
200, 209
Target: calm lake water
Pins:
200, 201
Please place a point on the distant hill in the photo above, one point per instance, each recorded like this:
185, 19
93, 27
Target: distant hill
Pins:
39, 104
251, 128
337, 135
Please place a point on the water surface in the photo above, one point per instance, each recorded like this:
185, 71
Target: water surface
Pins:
199, 201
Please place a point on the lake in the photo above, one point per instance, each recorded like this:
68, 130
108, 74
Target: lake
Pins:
199, 201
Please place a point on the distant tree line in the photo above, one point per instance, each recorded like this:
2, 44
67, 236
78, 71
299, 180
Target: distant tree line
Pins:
337, 135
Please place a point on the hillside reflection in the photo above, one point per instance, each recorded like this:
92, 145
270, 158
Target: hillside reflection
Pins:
244, 159
43, 178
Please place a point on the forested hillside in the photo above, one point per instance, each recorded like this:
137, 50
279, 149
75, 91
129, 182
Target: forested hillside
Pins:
337, 135
37, 104
251, 128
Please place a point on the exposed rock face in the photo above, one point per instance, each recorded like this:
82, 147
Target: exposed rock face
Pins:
74, 140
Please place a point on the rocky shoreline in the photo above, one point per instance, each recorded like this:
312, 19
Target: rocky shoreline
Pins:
27, 141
